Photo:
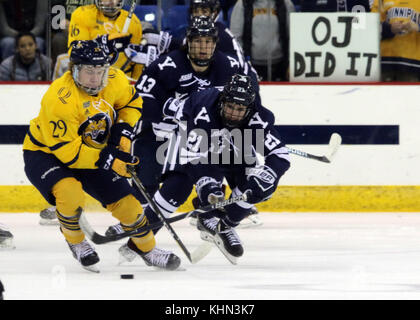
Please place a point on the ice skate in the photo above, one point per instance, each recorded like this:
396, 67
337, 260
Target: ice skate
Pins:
86, 255
159, 258
252, 220
227, 240
6, 239
207, 228
48, 217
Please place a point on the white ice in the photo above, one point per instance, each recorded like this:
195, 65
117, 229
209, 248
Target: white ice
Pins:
292, 256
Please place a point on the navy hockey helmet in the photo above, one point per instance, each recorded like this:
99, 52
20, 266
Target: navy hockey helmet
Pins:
237, 101
212, 6
109, 8
91, 54
201, 53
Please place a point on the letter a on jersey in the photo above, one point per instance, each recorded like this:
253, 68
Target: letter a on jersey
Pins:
202, 115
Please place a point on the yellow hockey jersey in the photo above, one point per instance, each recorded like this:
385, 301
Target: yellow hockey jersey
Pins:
400, 49
70, 119
87, 22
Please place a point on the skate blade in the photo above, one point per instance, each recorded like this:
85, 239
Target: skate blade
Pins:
92, 268
233, 260
125, 256
48, 222
193, 222
7, 245
206, 237
252, 222
157, 269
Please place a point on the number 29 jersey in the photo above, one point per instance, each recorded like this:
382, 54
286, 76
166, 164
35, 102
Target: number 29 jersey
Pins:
75, 126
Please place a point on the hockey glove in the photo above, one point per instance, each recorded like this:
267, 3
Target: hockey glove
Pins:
141, 54
121, 136
209, 190
262, 182
162, 40
111, 158
114, 42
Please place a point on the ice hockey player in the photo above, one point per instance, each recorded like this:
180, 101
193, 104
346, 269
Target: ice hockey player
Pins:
104, 21
219, 136
6, 238
81, 141
227, 42
195, 67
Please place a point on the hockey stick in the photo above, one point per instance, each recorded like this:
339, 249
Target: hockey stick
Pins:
156, 209
102, 239
334, 144
130, 15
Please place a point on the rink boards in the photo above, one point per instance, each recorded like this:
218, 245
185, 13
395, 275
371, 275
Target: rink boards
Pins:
376, 168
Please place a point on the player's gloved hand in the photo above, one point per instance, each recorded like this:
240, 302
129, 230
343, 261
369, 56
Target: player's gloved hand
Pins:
141, 54
121, 136
171, 119
209, 190
261, 182
114, 42
162, 40
114, 159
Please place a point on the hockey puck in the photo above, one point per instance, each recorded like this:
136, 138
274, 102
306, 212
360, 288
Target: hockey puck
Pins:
127, 276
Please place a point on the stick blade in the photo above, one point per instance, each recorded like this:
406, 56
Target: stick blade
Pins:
334, 144
91, 234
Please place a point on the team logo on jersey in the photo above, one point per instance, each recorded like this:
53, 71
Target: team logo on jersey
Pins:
63, 94
202, 83
186, 77
95, 130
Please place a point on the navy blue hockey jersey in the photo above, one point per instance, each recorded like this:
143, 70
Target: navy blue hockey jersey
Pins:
203, 140
172, 76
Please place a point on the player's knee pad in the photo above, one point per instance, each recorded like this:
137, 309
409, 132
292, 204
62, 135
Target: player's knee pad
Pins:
69, 197
209, 190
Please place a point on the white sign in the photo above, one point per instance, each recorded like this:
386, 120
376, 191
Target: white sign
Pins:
334, 47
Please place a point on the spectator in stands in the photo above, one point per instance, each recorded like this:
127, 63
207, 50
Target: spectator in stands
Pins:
226, 6
19, 16
400, 44
262, 28
335, 5
28, 64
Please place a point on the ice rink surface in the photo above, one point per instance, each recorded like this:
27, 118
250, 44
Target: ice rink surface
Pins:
292, 256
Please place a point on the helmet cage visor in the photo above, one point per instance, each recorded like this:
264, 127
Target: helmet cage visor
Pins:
201, 49
109, 8
91, 78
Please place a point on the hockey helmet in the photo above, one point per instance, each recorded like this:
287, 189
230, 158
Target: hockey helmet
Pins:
237, 101
213, 6
201, 27
89, 54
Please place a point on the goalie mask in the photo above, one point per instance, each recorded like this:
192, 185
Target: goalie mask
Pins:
89, 65
209, 8
237, 101
202, 37
95, 130
110, 8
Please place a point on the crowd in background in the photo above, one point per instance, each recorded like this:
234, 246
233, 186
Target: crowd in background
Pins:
31, 52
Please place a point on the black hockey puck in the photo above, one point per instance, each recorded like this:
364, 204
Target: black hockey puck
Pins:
127, 276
